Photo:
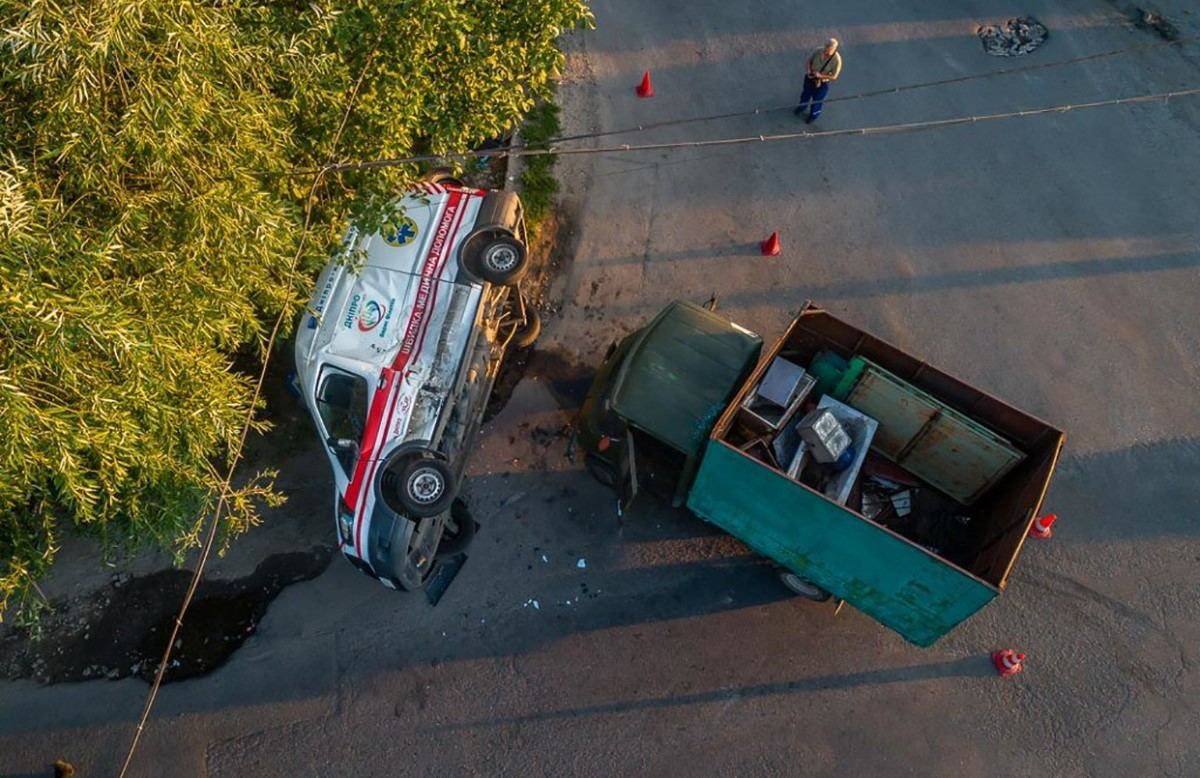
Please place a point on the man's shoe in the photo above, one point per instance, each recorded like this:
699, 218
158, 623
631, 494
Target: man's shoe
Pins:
799, 110
810, 119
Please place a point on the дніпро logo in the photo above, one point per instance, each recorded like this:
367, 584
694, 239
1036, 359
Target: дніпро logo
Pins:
372, 314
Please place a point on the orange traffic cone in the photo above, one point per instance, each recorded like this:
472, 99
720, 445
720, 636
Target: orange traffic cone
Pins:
645, 89
770, 247
1041, 527
1008, 662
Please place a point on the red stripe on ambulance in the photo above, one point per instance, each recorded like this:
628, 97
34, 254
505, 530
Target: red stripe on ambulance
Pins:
384, 402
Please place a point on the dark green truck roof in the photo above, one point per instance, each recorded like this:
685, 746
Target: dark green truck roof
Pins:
680, 374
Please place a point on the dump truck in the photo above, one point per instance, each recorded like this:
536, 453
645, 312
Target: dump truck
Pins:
864, 473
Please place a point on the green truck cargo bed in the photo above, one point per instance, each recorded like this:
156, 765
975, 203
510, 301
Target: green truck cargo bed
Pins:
912, 589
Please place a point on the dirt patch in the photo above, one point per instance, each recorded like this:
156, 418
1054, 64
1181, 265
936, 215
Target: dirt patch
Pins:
551, 251
122, 629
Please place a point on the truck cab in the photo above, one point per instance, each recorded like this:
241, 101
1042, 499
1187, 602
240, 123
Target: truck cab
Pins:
646, 418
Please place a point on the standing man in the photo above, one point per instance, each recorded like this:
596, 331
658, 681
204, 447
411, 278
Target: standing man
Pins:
824, 65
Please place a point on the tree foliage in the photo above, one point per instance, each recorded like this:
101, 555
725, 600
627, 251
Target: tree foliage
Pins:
146, 235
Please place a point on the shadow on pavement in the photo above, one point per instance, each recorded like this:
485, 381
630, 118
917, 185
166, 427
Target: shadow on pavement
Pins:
969, 667
1130, 493
974, 279
925, 284
739, 249
656, 566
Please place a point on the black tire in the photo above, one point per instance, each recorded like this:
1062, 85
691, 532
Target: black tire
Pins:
460, 531
503, 261
802, 587
441, 175
425, 487
527, 335
601, 470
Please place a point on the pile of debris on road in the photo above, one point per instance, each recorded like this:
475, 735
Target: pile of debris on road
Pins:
1013, 38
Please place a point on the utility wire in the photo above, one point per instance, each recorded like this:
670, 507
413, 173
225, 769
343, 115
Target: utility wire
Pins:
524, 151
886, 129
235, 458
879, 92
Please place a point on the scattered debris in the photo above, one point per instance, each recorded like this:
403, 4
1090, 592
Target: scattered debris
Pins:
581, 564
545, 560
1150, 19
536, 605
1013, 38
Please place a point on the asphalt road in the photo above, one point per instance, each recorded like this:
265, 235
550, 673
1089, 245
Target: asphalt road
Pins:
1052, 260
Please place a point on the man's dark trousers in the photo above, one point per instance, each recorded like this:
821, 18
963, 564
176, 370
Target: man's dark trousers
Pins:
815, 93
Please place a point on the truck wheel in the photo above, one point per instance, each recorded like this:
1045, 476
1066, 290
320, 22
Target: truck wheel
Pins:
802, 587
527, 335
424, 488
503, 261
601, 470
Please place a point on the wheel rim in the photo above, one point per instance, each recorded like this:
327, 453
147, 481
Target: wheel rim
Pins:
502, 259
801, 587
425, 486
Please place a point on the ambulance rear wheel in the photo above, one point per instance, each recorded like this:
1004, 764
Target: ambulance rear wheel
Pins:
503, 261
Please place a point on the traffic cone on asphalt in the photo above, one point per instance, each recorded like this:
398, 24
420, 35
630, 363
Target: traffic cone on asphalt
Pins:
1041, 527
645, 89
1008, 662
770, 247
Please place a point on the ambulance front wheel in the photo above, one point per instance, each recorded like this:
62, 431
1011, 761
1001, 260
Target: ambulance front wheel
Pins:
424, 487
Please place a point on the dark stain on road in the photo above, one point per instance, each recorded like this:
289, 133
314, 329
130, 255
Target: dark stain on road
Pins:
122, 629
1151, 19
567, 380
